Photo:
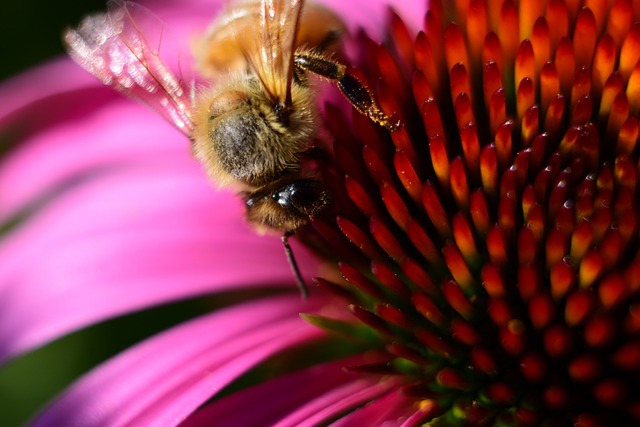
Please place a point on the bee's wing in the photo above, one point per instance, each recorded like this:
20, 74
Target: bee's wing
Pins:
273, 60
112, 47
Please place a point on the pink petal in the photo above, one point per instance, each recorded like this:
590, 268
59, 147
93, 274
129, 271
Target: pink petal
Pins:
59, 76
372, 14
392, 410
324, 407
306, 398
162, 380
106, 135
116, 245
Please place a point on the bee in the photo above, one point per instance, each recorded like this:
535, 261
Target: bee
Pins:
253, 126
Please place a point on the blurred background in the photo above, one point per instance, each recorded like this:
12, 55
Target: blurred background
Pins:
30, 34
31, 29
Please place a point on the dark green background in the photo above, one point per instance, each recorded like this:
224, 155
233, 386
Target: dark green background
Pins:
30, 30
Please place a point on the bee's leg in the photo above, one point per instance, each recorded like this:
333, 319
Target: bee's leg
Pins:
351, 87
304, 291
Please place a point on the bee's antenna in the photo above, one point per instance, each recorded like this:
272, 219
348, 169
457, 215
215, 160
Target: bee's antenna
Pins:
304, 291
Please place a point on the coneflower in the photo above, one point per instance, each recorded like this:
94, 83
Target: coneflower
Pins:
478, 266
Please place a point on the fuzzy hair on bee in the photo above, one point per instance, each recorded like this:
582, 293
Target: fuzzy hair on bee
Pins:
255, 143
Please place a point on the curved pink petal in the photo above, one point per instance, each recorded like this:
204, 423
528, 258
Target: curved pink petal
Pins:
324, 407
60, 76
63, 156
162, 380
107, 134
372, 14
392, 410
140, 249
309, 397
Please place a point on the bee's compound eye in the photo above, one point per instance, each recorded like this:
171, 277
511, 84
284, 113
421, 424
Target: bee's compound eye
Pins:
305, 193
286, 206
282, 197
307, 196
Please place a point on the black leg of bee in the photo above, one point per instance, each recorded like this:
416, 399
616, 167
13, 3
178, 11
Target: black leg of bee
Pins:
304, 291
353, 89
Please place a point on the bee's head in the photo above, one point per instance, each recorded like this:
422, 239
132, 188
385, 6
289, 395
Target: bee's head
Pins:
288, 206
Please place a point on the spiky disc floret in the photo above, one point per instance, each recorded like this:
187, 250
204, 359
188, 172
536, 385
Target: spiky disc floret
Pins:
494, 238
